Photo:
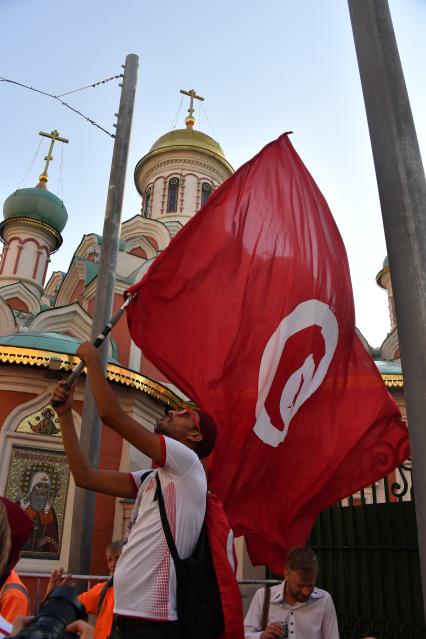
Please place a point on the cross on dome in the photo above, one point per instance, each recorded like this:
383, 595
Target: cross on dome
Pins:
190, 119
54, 136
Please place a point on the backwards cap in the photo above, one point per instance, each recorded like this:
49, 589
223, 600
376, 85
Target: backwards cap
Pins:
208, 429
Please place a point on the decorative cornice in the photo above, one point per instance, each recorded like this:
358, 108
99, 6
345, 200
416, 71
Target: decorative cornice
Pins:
35, 223
116, 374
393, 381
185, 161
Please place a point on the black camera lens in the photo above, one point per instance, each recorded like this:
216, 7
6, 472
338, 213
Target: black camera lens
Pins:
59, 610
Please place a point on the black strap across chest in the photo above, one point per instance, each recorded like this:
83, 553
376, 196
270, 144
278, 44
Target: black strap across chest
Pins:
165, 522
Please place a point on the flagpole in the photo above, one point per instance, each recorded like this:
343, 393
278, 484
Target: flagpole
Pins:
402, 190
90, 436
97, 343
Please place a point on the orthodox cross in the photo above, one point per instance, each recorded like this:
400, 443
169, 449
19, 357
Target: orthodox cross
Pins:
190, 120
54, 136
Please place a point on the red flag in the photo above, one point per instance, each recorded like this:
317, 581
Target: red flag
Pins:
250, 312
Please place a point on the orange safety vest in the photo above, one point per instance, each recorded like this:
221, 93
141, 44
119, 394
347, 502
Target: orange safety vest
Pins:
91, 600
14, 598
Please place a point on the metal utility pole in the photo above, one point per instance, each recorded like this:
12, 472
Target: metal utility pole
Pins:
402, 190
84, 503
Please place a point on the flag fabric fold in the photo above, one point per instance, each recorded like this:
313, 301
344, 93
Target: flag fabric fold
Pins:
250, 312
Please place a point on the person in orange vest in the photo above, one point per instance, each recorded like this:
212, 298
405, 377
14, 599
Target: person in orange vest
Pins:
99, 600
14, 598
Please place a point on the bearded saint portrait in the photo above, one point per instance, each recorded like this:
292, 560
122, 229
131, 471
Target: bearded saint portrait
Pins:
37, 505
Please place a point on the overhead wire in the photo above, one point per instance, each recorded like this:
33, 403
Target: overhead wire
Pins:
88, 86
65, 104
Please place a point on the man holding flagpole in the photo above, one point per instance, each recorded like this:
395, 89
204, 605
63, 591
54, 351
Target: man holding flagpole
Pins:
145, 579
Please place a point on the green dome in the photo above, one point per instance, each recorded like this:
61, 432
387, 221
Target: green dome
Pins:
36, 204
54, 342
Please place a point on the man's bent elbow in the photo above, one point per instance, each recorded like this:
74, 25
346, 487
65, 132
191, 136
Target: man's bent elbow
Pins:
83, 480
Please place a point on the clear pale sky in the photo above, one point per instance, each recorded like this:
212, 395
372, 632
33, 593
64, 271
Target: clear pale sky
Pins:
263, 68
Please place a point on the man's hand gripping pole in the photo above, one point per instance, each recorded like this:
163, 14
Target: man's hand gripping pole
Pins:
97, 343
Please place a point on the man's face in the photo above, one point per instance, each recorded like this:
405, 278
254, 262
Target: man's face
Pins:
298, 585
39, 496
177, 424
112, 558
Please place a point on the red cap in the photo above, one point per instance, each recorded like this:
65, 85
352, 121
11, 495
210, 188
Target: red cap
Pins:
208, 429
21, 528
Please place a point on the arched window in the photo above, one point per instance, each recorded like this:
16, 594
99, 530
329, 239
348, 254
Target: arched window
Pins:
206, 191
147, 202
172, 195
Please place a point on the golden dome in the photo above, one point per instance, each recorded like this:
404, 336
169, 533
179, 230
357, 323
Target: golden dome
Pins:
187, 139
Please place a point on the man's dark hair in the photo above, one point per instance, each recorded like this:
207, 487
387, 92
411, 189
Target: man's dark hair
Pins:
304, 560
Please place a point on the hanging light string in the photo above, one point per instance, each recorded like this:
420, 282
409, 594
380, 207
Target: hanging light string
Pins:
27, 173
65, 104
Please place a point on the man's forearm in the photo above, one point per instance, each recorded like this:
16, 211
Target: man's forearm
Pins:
113, 415
77, 460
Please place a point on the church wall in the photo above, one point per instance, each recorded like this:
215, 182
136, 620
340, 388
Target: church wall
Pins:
149, 370
190, 193
135, 357
26, 252
76, 295
40, 268
10, 251
192, 168
120, 334
9, 401
17, 304
27, 259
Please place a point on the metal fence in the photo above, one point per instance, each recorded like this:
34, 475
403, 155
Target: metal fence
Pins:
369, 562
40, 580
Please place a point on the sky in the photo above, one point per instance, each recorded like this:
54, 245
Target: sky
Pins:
262, 67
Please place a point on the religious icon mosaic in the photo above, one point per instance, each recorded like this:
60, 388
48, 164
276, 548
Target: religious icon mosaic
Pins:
44, 421
38, 480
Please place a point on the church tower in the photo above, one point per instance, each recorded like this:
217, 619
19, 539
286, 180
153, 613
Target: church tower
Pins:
181, 170
31, 231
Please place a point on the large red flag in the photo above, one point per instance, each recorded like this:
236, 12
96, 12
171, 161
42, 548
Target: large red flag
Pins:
250, 312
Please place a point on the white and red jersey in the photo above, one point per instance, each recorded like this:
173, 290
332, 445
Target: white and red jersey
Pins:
5, 627
145, 579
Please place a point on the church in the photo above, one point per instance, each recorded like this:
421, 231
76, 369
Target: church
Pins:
43, 322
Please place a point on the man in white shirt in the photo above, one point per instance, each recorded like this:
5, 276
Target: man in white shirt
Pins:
145, 580
297, 609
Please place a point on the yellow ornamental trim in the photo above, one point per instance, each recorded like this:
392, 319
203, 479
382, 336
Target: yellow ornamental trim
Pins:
393, 381
31, 222
116, 374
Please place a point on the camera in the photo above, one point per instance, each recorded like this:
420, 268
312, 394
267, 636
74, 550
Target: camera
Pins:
60, 609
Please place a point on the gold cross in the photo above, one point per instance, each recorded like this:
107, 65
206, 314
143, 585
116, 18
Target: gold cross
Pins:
190, 120
54, 136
